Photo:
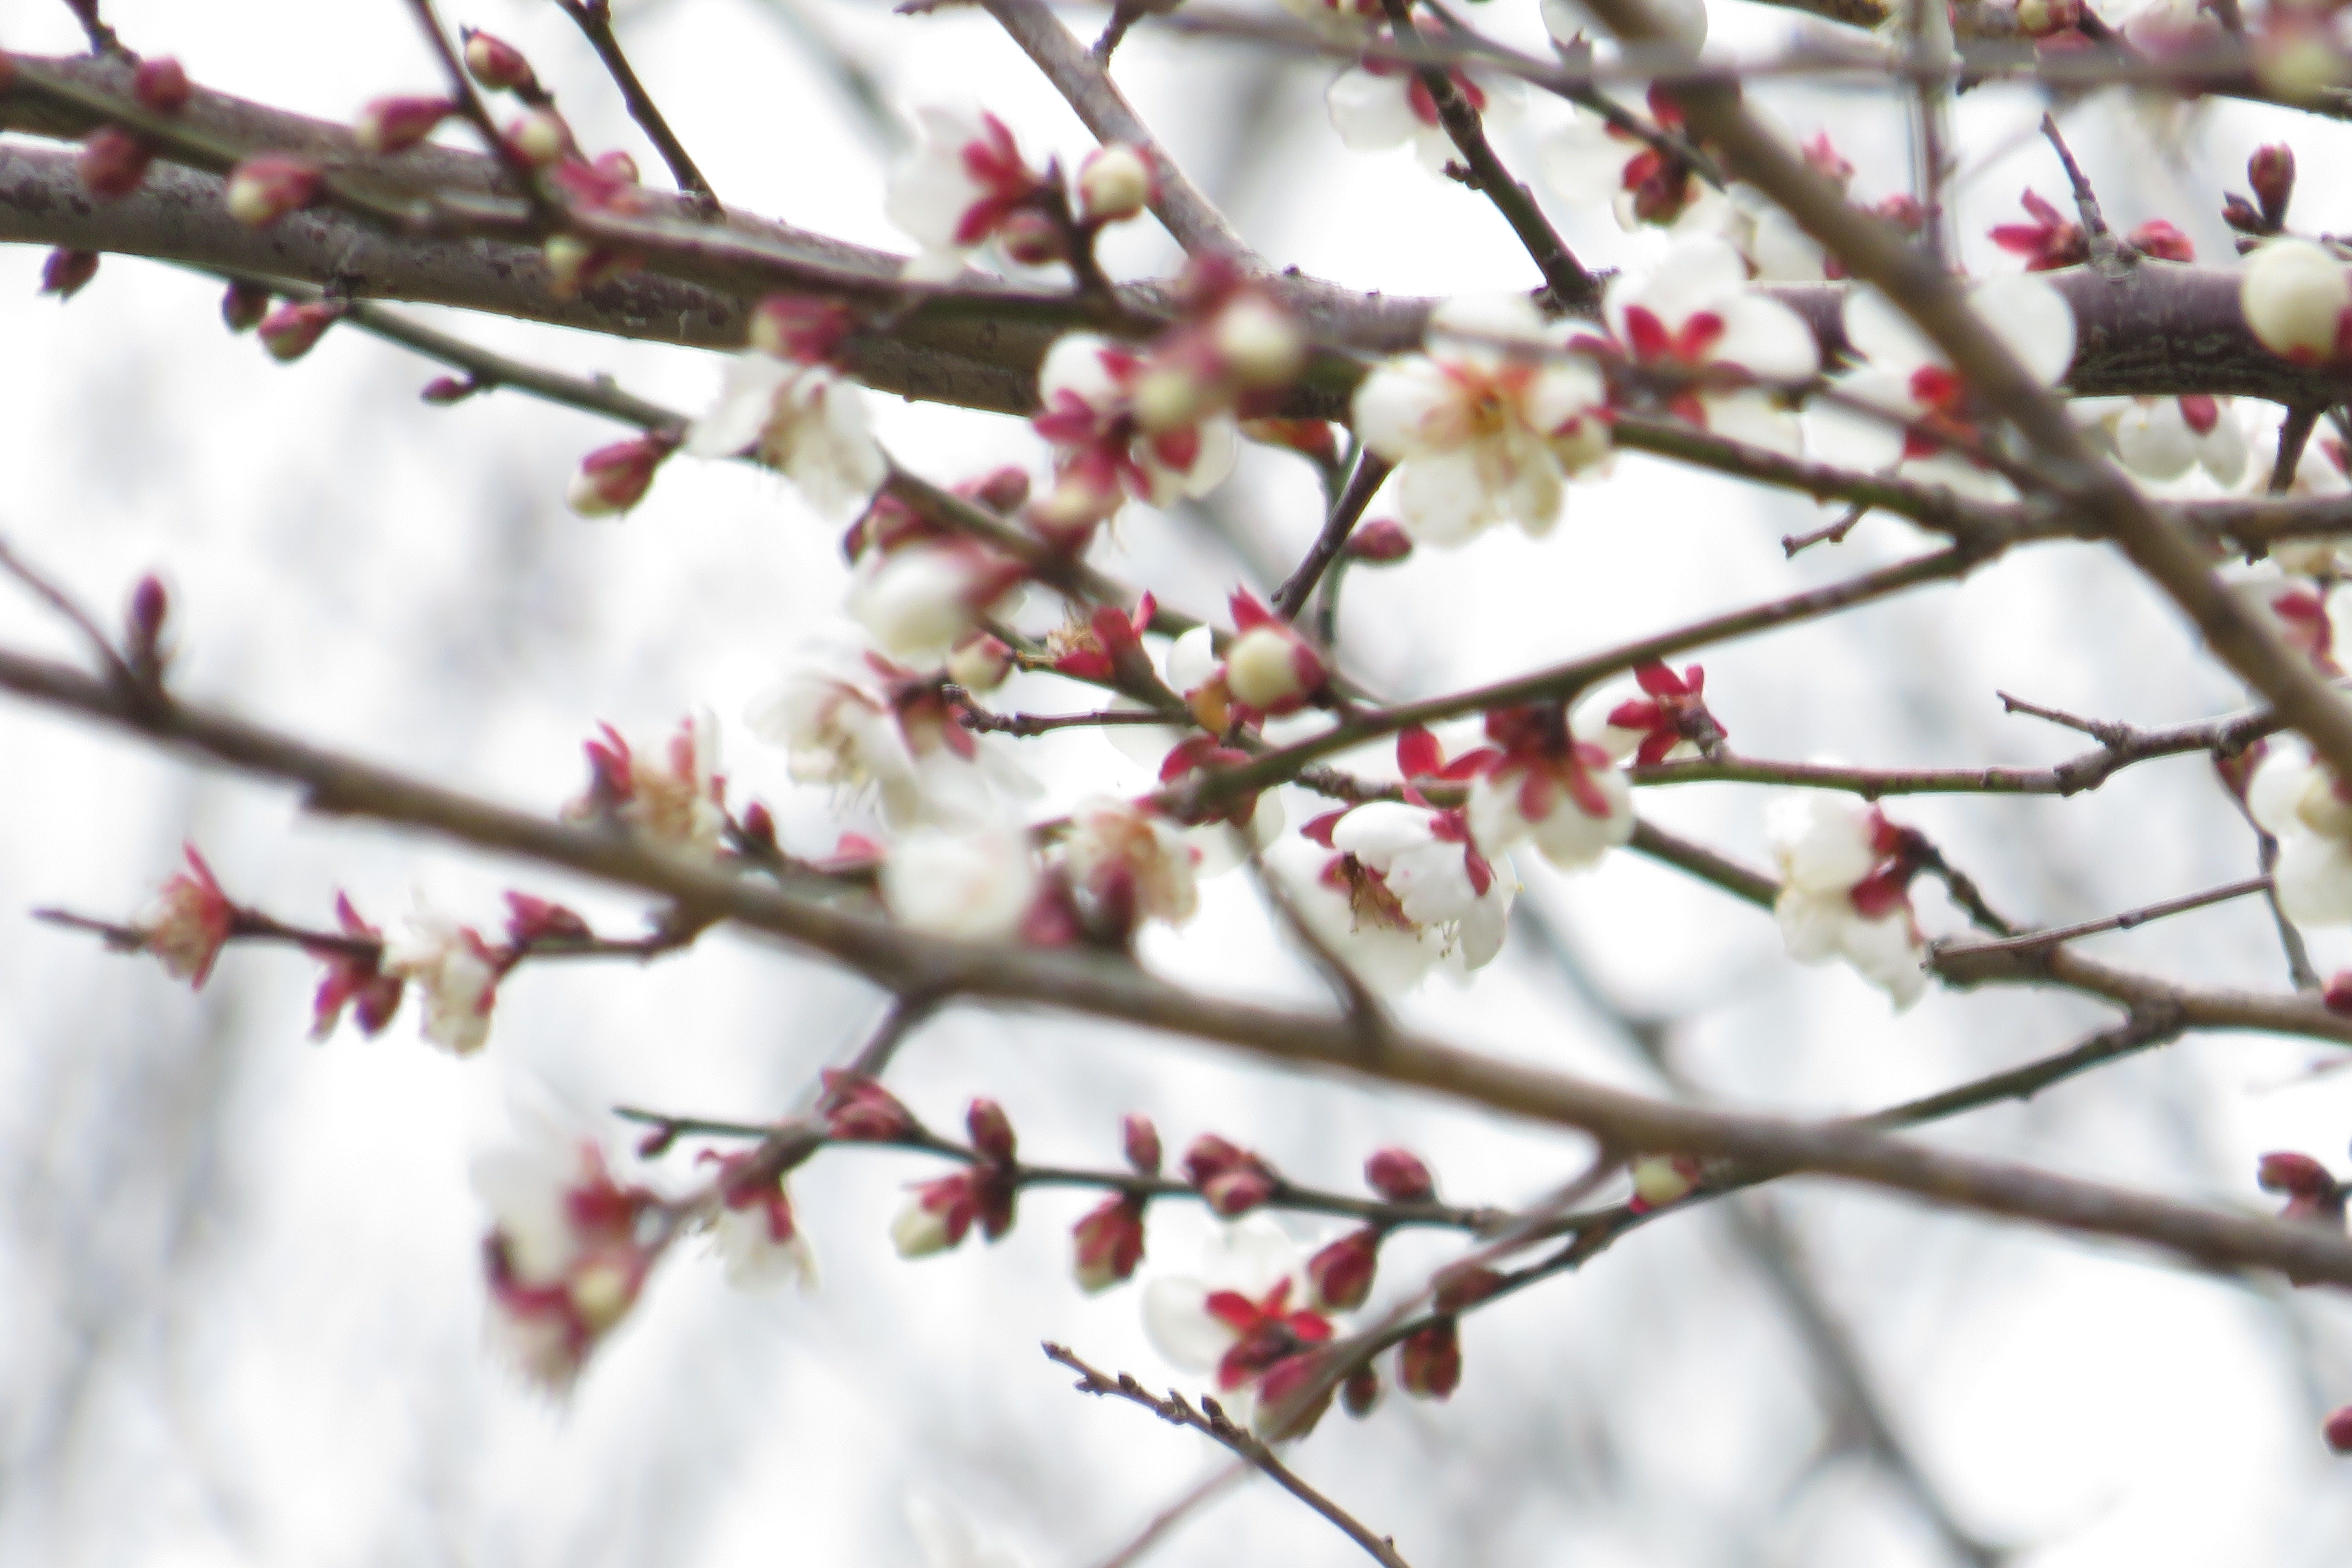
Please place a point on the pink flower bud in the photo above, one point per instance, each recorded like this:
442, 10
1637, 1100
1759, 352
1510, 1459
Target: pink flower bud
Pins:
292, 330
1032, 237
860, 1111
161, 85
2241, 214
2160, 239
1141, 1140
793, 327
1114, 183
1342, 1274
992, 1132
1107, 1243
65, 272
2339, 1431
444, 390
533, 919
2311, 1191
1462, 1287
2338, 995
1663, 1179
1381, 543
244, 305
1398, 1175
112, 161
396, 124
1260, 344
1360, 1395
2271, 171
498, 65
656, 1143
758, 826
1271, 671
615, 478
1209, 1155
1429, 1362
263, 189
540, 138
1000, 489
1236, 1191
574, 264
616, 167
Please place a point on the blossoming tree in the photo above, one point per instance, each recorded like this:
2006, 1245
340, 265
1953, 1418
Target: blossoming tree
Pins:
1762, 326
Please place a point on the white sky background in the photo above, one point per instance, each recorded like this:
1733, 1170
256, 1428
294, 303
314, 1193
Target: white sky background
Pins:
239, 1284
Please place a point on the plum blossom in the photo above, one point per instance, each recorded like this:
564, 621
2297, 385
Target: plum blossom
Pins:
569, 1248
2320, 471
2297, 614
1846, 873
857, 721
1695, 314
2169, 438
677, 801
2304, 805
2051, 240
1393, 889
1107, 1243
921, 599
938, 1214
753, 1230
1241, 1316
188, 923
1590, 160
964, 179
1668, 721
1127, 864
1380, 104
1485, 425
354, 978
1104, 450
804, 420
456, 974
1903, 380
973, 883
2297, 300
1564, 794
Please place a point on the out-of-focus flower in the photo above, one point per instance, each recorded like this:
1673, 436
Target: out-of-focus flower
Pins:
1340, 1276
188, 923
569, 1248
1241, 1315
1428, 1361
1380, 104
972, 883
1485, 425
1230, 1179
2166, 438
1107, 1242
678, 801
754, 1231
2302, 804
396, 124
955, 192
2297, 614
457, 974
66, 273
1590, 160
2051, 240
1845, 874
804, 420
1128, 864
1663, 1179
354, 979
937, 1214
1695, 314
1398, 1175
1547, 785
2311, 1189
1104, 450
920, 600
1114, 183
1665, 723
2297, 300
616, 478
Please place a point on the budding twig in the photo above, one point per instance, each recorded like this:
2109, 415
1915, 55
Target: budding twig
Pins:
595, 20
1363, 482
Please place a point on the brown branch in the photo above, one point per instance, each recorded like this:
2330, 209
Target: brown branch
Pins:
2028, 941
2106, 254
1210, 1419
595, 20
1363, 482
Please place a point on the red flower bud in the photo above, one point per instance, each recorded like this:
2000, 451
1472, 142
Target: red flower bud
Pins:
758, 826
992, 1132
263, 189
1429, 1362
1233, 1180
616, 478
65, 272
1342, 1274
1361, 1393
1284, 1382
616, 167
163, 85
1381, 543
540, 138
498, 65
1398, 1175
2339, 1431
1142, 1144
444, 390
244, 305
292, 330
1237, 1192
2160, 239
151, 605
2271, 171
2241, 214
1001, 489
1209, 1155
860, 1111
534, 919
1459, 1288
1107, 1242
112, 161
1031, 237
656, 1143
396, 124
2338, 995
2310, 1191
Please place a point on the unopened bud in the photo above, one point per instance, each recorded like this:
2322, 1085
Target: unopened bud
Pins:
1360, 1395
2337, 1430
396, 124
991, 1130
65, 272
2297, 58
860, 1111
1429, 1362
1398, 1175
1465, 1286
980, 663
1663, 1179
1902, 212
161, 85
1114, 183
574, 264
444, 390
112, 161
1280, 1415
1002, 489
292, 330
151, 607
1342, 1274
758, 826
2294, 294
656, 1143
1270, 671
1032, 237
540, 138
1107, 1243
615, 478
1170, 394
2160, 239
1236, 1191
1259, 342
2241, 214
244, 305
263, 189
616, 166
1140, 1139
1381, 544
496, 64
2271, 171
2338, 995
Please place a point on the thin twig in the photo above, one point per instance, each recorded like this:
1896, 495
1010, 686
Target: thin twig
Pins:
2028, 941
1363, 482
1210, 1420
595, 20
2106, 254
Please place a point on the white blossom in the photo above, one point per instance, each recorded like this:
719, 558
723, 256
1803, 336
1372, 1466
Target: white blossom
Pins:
1117, 851
806, 421
921, 599
955, 189
2165, 439
455, 973
2297, 300
1246, 1307
1380, 105
972, 883
1398, 890
1838, 897
2300, 803
1695, 312
1484, 427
